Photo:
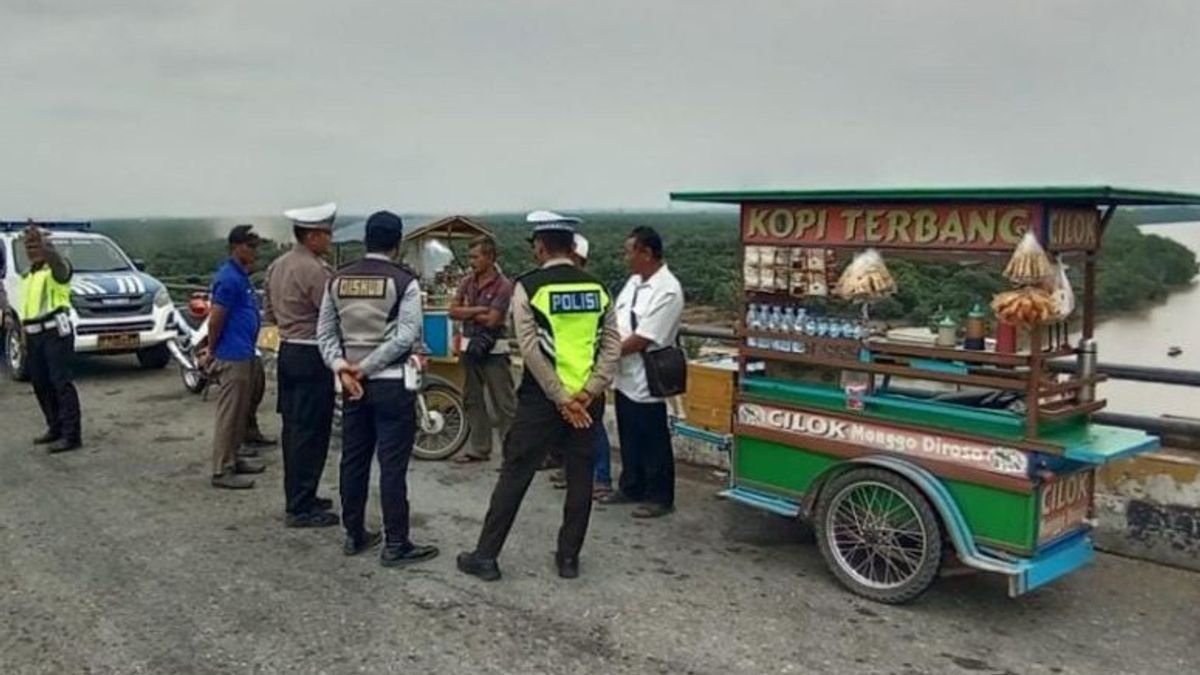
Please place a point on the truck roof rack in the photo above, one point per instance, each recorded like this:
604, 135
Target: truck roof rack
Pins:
69, 225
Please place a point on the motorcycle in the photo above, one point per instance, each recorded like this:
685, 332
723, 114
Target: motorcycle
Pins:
442, 427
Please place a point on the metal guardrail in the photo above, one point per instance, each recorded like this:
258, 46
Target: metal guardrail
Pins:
1186, 430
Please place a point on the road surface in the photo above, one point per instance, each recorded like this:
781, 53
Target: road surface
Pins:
121, 559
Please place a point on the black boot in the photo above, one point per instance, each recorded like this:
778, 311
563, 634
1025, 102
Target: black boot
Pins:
470, 562
48, 437
407, 554
568, 565
356, 544
63, 445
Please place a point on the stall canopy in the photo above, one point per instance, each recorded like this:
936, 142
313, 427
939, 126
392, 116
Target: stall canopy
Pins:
451, 227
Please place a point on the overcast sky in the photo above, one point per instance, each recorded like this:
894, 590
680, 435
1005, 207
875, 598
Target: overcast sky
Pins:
213, 107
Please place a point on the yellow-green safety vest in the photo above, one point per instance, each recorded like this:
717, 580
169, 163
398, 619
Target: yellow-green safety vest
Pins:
569, 306
42, 294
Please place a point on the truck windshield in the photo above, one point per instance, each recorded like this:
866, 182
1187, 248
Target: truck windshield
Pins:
85, 255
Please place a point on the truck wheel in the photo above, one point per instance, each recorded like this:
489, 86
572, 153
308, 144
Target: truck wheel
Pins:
14, 353
879, 535
154, 358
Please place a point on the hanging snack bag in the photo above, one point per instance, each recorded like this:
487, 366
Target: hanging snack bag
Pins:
1029, 264
1061, 291
866, 278
1027, 306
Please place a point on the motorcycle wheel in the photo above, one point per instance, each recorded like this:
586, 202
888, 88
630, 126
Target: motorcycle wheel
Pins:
444, 430
193, 380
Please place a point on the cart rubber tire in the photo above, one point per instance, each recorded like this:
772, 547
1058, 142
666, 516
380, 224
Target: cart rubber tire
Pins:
897, 496
194, 380
14, 351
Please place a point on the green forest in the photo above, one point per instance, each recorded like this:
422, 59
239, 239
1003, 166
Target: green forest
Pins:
702, 249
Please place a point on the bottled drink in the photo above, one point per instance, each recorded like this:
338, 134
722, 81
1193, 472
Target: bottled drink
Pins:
752, 324
798, 331
772, 327
785, 328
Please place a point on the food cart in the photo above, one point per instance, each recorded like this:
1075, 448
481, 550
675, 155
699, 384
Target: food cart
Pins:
905, 453
429, 250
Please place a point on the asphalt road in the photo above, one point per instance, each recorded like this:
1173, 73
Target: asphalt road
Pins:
121, 559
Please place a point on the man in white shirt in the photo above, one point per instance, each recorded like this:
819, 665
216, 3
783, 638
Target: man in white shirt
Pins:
649, 309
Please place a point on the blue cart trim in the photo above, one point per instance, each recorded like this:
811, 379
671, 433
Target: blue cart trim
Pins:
762, 500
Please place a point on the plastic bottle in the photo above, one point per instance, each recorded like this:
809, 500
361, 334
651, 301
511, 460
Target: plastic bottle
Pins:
772, 325
798, 331
785, 328
752, 324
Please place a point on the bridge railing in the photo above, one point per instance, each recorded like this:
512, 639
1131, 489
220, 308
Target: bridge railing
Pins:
1178, 430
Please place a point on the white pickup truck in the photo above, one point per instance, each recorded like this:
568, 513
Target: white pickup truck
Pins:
116, 308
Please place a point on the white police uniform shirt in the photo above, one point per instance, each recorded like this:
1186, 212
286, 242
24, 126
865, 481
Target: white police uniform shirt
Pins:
657, 303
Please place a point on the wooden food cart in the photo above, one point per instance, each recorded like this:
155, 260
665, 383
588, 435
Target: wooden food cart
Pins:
905, 454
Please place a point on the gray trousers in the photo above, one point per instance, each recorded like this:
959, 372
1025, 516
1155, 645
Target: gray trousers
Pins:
492, 378
235, 398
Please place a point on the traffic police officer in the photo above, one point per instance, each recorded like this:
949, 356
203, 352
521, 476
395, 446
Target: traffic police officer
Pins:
295, 286
43, 308
369, 324
567, 333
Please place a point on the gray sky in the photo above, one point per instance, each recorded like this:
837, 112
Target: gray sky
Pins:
137, 107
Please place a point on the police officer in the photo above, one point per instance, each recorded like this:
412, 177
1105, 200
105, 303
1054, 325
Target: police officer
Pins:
369, 324
43, 308
295, 286
567, 333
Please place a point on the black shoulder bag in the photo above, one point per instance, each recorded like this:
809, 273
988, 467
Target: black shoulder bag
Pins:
666, 368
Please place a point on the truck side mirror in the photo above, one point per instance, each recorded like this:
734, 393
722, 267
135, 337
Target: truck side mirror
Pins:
139, 264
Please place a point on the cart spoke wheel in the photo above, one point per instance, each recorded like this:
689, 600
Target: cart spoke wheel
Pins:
876, 535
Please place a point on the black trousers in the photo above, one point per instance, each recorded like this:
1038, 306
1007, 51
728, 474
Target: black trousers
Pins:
306, 403
384, 421
50, 357
647, 458
537, 428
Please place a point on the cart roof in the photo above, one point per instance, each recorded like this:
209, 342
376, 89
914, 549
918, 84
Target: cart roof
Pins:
452, 227
1074, 195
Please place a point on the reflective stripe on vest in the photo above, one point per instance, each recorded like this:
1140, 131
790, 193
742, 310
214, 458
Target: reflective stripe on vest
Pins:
569, 326
42, 295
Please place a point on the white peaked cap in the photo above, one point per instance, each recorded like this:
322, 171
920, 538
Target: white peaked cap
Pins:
312, 214
581, 246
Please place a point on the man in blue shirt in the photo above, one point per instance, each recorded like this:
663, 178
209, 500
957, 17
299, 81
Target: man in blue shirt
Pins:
233, 327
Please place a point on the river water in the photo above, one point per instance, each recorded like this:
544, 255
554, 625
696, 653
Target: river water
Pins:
1142, 338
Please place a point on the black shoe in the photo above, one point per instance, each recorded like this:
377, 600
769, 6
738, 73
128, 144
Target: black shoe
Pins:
398, 556
63, 445
48, 437
260, 442
357, 544
652, 511
323, 504
568, 565
484, 568
313, 519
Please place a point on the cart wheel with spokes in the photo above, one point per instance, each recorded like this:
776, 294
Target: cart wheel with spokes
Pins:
879, 535
441, 422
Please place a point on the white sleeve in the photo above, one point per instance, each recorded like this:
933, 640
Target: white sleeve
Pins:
659, 323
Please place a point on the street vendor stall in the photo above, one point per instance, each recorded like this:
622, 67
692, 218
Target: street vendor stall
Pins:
430, 251
904, 453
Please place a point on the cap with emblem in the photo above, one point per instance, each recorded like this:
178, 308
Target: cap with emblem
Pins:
549, 221
318, 217
243, 234
384, 230
581, 246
